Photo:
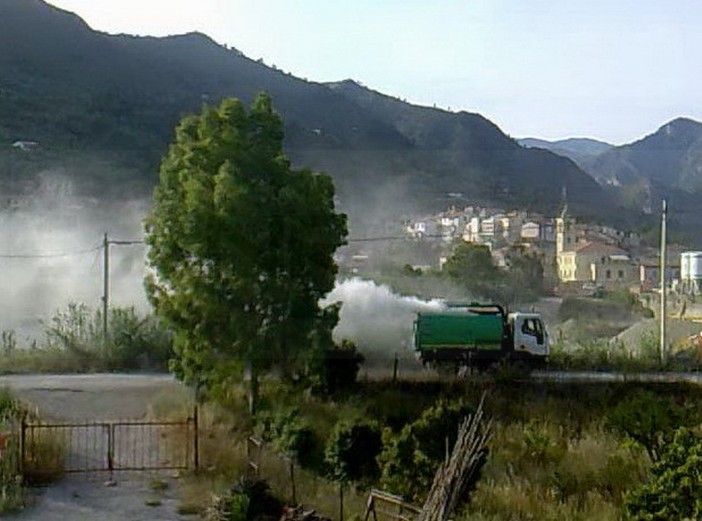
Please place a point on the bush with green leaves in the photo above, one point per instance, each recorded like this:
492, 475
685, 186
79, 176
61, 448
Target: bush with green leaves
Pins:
674, 490
289, 435
649, 419
75, 330
539, 447
410, 458
137, 341
133, 341
351, 452
10, 408
248, 500
336, 370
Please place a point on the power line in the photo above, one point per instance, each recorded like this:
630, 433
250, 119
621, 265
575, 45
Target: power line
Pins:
126, 243
138, 242
394, 238
50, 255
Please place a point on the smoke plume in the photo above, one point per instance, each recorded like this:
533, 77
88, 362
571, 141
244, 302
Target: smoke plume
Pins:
379, 321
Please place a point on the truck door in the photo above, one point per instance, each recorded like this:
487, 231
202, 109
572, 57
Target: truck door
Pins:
530, 335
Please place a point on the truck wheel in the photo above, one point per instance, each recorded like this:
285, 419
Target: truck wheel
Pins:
446, 369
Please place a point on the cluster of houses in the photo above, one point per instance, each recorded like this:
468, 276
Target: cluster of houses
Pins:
577, 257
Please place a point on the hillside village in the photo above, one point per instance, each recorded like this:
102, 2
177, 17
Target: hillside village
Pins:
578, 258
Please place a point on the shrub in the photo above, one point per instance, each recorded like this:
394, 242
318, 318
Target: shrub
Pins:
137, 342
10, 408
674, 490
410, 458
649, 420
75, 331
248, 500
134, 342
238, 507
262, 503
352, 450
289, 435
337, 370
538, 445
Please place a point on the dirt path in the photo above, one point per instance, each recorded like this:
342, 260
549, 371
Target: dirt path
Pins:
98, 397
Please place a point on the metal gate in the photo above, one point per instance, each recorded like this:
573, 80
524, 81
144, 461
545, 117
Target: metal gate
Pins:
107, 446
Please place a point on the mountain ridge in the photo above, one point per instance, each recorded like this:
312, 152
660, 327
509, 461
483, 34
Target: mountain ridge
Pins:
114, 99
578, 149
671, 156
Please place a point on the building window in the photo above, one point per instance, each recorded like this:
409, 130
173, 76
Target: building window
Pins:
609, 274
620, 274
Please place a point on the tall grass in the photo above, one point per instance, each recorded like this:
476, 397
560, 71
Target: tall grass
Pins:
74, 341
11, 492
44, 456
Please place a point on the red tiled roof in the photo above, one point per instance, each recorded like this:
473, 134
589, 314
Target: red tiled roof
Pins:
600, 248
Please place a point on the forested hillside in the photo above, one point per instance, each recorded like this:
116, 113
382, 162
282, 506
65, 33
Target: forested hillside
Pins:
103, 108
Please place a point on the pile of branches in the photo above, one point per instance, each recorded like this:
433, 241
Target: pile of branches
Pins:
458, 476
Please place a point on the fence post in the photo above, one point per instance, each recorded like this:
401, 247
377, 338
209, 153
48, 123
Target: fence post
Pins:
110, 447
22, 442
395, 363
196, 438
341, 501
292, 482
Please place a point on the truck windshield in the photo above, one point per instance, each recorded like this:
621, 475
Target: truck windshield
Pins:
533, 327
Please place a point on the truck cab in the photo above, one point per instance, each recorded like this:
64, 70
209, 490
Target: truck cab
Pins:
528, 334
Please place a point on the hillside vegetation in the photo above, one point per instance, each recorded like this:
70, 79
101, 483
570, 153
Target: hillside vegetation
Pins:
103, 107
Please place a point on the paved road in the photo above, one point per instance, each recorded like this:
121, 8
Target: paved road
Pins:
597, 376
88, 397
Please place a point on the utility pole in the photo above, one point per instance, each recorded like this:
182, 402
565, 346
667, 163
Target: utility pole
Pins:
105, 284
664, 346
106, 278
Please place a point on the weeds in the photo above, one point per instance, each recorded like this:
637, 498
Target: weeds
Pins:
44, 456
75, 342
553, 454
11, 492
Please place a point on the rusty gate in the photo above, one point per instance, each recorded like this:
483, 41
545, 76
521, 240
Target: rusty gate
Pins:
107, 446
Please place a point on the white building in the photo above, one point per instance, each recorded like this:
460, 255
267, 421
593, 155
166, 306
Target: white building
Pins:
422, 228
691, 272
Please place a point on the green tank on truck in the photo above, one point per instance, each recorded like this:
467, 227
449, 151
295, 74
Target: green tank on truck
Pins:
479, 336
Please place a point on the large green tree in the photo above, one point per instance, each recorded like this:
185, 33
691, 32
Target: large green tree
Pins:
241, 246
472, 267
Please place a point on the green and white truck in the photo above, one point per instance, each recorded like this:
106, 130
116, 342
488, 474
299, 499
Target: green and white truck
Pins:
479, 336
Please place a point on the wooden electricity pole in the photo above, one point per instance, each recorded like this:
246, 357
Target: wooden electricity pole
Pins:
105, 285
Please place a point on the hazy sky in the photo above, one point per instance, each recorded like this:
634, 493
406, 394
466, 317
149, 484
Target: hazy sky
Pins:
609, 69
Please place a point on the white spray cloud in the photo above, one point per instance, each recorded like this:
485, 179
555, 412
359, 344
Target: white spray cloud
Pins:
55, 221
379, 321
51, 254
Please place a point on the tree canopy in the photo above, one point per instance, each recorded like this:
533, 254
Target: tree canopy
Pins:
240, 245
472, 267
674, 489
